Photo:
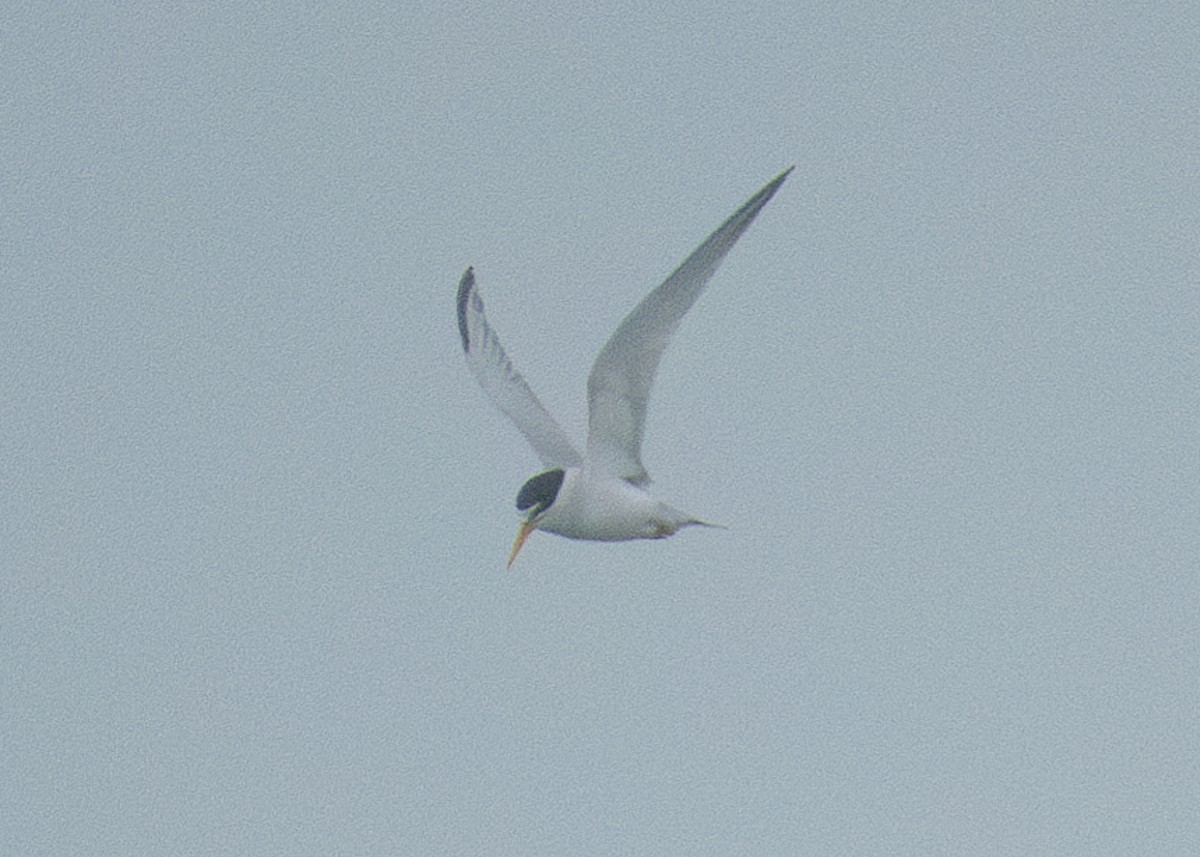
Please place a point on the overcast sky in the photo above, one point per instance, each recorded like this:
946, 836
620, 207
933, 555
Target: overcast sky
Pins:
254, 509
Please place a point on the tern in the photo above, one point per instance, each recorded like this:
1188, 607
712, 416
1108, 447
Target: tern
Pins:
601, 495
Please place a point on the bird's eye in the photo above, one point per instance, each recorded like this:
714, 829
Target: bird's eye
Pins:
540, 490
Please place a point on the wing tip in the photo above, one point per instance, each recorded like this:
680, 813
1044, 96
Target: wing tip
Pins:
740, 220
770, 187
465, 287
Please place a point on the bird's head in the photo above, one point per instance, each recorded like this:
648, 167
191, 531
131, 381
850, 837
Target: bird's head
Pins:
535, 498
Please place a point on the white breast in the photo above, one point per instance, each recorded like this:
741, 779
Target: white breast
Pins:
610, 510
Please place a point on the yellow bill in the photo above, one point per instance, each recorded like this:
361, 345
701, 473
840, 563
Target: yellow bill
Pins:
523, 532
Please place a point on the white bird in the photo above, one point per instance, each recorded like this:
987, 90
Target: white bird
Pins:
602, 495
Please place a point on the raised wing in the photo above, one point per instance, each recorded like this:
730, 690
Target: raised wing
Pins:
504, 384
620, 380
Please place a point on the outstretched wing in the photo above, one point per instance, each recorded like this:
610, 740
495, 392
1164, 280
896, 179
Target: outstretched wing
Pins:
620, 380
504, 384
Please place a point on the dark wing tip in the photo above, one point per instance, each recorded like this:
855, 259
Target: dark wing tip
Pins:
465, 287
769, 189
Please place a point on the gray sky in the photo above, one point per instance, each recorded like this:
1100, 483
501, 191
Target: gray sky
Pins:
943, 393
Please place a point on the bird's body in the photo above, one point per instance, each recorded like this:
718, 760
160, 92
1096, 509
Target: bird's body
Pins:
600, 496
601, 508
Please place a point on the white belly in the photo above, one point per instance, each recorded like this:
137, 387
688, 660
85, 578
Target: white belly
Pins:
609, 510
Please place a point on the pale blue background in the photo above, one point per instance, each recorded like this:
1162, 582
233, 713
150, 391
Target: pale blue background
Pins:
254, 509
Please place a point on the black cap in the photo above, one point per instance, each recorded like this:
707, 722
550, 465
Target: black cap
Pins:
541, 490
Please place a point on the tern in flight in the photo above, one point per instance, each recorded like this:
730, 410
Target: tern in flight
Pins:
601, 495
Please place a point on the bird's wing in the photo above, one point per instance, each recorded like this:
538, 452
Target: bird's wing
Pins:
504, 384
620, 380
